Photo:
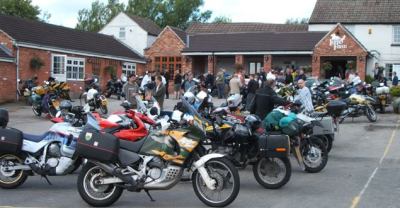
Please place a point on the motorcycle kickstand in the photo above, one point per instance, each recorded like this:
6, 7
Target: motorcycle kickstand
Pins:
148, 194
47, 179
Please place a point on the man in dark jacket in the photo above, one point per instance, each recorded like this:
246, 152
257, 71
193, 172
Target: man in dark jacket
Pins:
159, 92
266, 99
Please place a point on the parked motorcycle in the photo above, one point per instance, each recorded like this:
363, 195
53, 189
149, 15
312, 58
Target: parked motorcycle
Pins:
94, 100
45, 101
114, 87
153, 163
50, 154
359, 105
382, 97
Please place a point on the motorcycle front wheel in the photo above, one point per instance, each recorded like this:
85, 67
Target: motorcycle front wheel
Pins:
93, 193
227, 183
272, 172
10, 179
371, 114
315, 155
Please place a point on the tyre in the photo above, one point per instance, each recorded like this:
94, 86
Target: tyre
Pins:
94, 194
371, 114
103, 109
36, 110
315, 155
52, 112
327, 140
14, 178
272, 173
227, 183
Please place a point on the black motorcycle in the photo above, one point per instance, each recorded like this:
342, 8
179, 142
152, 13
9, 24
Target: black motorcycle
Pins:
114, 87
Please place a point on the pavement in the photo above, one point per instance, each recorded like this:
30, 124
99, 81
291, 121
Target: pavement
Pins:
362, 171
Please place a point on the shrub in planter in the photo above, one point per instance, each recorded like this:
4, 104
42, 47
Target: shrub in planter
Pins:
36, 63
369, 79
395, 93
112, 70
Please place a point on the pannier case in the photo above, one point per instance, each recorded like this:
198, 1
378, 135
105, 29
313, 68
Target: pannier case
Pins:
96, 145
335, 108
10, 140
270, 143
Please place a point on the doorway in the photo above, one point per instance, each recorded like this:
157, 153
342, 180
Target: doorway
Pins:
337, 66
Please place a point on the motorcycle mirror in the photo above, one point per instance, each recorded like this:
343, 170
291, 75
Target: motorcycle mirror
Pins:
153, 111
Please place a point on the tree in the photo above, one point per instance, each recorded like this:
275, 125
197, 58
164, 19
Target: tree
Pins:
297, 21
222, 19
98, 15
20, 8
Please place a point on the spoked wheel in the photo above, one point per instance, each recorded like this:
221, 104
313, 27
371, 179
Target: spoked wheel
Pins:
315, 155
327, 140
371, 114
227, 183
94, 193
10, 179
272, 173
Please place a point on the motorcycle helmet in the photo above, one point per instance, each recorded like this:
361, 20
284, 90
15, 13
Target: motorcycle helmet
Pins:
66, 105
253, 121
234, 101
189, 96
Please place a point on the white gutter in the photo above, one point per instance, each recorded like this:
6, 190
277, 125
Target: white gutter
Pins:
11, 60
61, 50
250, 53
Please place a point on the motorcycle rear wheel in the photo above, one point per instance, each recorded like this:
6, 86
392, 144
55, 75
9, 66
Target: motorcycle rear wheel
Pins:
227, 177
315, 155
272, 173
94, 194
11, 179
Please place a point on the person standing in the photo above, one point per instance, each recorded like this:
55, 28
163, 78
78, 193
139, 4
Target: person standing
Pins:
146, 80
304, 96
188, 83
235, 84
131, 89
301, 75
252, 87
288, 76
177, 84
395, 81
167, 78
265, 99
159, 93
220, 81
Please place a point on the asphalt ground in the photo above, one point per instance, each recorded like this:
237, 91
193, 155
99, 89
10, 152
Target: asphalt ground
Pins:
362, 171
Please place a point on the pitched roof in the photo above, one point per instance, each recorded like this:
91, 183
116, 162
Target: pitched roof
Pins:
254, 42
356, 12
182, 34
197, 28
148, 25
48, 35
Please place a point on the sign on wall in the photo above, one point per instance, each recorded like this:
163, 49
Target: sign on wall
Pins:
337, 41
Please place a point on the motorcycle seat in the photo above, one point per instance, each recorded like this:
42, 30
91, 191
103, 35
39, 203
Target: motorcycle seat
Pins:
131, 146
35, 138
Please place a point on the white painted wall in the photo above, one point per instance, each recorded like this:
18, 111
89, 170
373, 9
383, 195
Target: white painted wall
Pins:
135, 37
380, 40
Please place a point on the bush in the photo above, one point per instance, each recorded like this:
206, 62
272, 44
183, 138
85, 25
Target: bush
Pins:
36, 63
369, 79
395, 91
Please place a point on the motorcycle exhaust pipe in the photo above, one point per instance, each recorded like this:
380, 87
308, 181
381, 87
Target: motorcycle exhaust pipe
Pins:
116, 171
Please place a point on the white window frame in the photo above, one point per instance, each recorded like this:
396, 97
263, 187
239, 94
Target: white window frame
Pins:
79, 65
122, 33
125, 68
63, 69
396, 28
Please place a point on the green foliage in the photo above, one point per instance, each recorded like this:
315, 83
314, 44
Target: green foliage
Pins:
19, 8
369, 79
307, 69
395, 91
327, 66
297, 21
177, 13
112, 70
222, 19
36, 63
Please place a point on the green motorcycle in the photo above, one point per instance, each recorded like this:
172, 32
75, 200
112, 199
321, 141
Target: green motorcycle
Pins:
153, 163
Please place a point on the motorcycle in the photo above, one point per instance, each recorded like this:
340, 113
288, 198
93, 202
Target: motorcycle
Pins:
153, 163
94, 100
50, 154
114, 87
359, 105
44, 100
383, 97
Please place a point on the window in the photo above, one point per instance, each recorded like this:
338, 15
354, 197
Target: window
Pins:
168, 63
122, 32
75, 68
128, 69
255, 67
396, 34
58, 64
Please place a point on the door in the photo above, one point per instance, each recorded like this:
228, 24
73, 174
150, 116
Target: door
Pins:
58, 67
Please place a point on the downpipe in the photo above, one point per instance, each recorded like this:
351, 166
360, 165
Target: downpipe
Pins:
199, 165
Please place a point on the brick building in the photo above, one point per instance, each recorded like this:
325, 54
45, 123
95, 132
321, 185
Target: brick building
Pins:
66, 54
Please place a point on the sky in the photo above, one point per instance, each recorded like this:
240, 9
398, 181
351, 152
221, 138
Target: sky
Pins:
65, 12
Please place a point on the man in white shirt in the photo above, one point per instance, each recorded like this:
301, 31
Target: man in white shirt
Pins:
304, 96
146, 79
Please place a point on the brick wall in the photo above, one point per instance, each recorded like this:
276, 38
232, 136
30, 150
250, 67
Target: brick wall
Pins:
8, 82
6, 41
353, 49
